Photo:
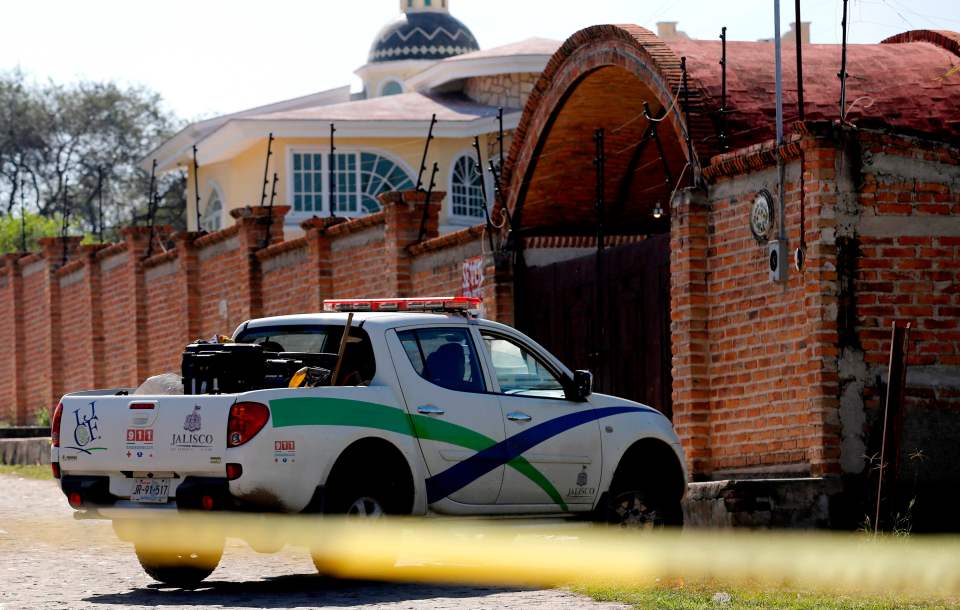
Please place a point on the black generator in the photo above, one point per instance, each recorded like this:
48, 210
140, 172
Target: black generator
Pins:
230, 368
222, 368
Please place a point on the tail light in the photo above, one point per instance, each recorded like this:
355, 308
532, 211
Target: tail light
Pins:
55, 467
246, 420
74, 499
55, 425
234, 472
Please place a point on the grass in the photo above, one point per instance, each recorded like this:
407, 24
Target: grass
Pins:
39, 472
680, 595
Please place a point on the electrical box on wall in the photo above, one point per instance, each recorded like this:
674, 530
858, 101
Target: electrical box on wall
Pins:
777, 260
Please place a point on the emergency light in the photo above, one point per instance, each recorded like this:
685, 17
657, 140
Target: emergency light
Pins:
456, 304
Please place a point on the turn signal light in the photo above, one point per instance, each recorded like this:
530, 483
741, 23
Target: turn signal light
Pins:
246, 420
55, 425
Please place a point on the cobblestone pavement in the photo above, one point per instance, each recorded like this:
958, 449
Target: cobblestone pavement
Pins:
49, 560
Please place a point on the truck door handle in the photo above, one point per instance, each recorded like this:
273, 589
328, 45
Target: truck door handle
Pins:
430, 410
518, 416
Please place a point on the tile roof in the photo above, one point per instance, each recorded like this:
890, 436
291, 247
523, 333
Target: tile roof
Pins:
906, 83
404, 107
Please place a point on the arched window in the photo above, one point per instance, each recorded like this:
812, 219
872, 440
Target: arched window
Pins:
377, 175
349, 181
212, 219
391, 87
466, 190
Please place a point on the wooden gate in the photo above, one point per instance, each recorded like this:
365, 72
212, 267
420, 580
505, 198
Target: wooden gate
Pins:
627, 346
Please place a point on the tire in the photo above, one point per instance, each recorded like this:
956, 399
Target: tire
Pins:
631, 504
360, 496
183, 569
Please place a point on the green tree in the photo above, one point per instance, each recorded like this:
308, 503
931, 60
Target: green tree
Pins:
36, 226
56, 141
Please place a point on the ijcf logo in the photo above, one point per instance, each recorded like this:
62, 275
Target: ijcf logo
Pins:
139, 436
284, 446
88, 426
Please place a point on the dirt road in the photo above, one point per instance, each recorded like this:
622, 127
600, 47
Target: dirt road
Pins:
48, 560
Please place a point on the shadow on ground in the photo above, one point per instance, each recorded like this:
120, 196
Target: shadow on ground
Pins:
292, 591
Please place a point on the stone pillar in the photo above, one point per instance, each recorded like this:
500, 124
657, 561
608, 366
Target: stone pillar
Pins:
258, 229
94, 291
138, 242
54, 250
689, 240
403, 213
319, 271
188, 286
498, 301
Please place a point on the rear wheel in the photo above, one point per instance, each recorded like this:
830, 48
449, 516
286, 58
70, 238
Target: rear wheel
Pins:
180, 568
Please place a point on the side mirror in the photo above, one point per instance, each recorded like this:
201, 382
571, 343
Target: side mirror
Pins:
582, 384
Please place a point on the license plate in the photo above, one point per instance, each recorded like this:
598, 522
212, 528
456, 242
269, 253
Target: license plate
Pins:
152, 491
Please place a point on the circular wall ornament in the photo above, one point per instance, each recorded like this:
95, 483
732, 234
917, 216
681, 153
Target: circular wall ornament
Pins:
761, 216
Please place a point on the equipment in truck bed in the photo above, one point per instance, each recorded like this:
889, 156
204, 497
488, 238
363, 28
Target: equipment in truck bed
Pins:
230, 368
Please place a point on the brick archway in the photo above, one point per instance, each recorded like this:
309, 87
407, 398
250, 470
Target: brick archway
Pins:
600, 78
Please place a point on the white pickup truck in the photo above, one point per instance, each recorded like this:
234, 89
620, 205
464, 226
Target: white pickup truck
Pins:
431, 411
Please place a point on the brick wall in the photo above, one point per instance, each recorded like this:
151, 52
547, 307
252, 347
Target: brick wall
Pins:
10, 323
283, 292
788, 378
756, 335
354, 247
118, 313
37, 346
112, 316
907, 270
163, 279
77, 333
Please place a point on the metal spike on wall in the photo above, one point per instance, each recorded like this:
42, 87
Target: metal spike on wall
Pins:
196, 186
266, 169
426, 149
332, 171
66, 219
478, 166
843, 65
23, 219
426, 202
723, 88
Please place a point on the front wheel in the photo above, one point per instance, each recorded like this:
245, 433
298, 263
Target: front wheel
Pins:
642, 510
179, 568
367, 499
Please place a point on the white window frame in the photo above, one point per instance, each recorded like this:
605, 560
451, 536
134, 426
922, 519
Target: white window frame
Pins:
460, 219
214, 190
295, 216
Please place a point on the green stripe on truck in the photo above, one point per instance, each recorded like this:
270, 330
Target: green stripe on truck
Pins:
319, 411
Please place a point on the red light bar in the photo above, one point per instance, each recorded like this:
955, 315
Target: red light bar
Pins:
142, 405
418, 304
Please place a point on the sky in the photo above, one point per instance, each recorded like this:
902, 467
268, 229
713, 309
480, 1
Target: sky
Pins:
209, 57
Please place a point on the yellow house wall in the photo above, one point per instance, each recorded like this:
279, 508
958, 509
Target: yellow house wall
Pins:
240, 178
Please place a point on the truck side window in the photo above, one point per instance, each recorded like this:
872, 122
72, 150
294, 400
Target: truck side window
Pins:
444, 357
518, 371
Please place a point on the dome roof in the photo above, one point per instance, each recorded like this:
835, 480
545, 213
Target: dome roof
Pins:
422, 35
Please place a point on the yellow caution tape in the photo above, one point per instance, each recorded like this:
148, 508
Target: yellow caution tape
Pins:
531, 553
